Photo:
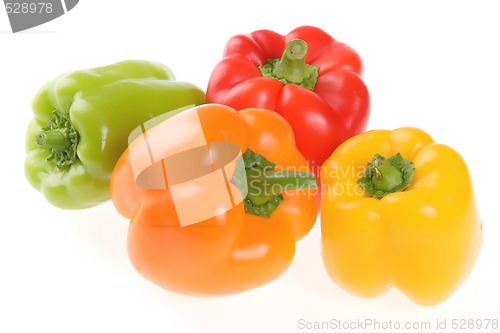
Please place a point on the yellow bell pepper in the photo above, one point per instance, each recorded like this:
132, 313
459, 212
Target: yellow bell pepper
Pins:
418, 229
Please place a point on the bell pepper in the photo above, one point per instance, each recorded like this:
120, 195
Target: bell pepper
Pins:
248, 239
398, 210
82, 122
307, 76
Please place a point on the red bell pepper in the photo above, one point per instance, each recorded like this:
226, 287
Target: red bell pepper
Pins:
307, 76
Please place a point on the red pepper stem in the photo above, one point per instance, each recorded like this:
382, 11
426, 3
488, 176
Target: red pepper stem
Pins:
292, 66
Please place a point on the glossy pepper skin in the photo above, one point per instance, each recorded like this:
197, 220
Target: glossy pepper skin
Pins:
423, 240
82, 121
325, 105
233, 251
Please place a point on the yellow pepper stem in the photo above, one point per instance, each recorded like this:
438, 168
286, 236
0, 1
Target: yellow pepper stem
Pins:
384, 176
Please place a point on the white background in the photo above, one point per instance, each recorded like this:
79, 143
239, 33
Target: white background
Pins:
428, 64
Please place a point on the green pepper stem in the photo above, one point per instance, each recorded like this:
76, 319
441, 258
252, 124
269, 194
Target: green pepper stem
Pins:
263, 184
292, 67
60, 138
384, 176
53, 140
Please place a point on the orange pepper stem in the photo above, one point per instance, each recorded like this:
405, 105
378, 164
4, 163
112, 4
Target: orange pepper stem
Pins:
292, 67
264, 185
384, 176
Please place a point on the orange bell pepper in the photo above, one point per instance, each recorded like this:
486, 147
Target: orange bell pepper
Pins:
412, 224
239, 248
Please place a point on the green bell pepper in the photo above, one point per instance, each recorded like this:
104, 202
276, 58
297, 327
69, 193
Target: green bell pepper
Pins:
82, 122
